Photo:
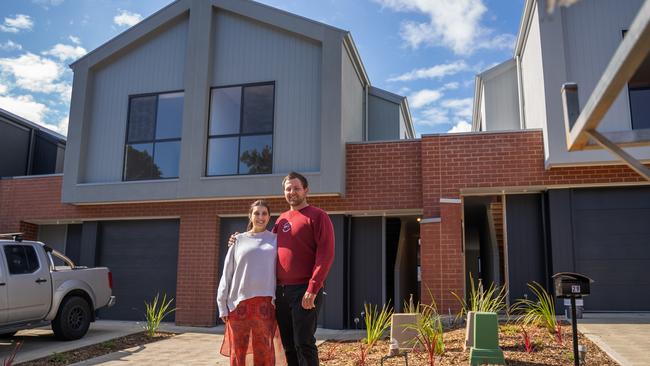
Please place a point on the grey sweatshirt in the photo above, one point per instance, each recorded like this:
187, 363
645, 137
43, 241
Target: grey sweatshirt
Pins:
248, 271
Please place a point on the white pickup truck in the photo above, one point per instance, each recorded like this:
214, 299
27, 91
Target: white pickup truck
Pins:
34, 292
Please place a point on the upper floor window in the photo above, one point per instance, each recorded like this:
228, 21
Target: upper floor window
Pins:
153, 137
21, 259
639, 93
240, 138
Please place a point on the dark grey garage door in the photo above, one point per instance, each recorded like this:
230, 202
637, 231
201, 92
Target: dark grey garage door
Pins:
611, 231
142, 255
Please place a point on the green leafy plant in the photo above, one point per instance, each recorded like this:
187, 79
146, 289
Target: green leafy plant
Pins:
429, 331
59, 358
540, 312
492, 299
377, 322
155, 313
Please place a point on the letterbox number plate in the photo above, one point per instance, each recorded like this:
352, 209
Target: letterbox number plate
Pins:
575, 289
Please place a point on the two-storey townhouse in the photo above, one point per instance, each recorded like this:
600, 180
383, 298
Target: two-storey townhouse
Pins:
602, 232
178, 123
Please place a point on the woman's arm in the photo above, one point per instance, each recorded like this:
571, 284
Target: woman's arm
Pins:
224, 284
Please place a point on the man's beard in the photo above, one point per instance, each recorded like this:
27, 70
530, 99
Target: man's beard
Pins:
296, 201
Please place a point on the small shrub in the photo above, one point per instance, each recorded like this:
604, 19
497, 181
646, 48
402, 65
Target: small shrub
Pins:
109, 345
9, 361
377, 322
528, 344
492, 299
540, 312
510, 329
155, 313
558, 334
330, 354
58, 358
429, 331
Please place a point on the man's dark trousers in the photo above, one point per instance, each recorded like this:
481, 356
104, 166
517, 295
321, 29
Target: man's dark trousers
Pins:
297, 325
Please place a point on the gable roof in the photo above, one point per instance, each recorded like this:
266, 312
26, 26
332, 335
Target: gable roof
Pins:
29, 124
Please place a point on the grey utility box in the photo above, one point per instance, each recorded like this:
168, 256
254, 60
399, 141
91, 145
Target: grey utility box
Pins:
568, 284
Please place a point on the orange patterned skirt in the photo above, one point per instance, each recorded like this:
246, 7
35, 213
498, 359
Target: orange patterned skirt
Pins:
252, 329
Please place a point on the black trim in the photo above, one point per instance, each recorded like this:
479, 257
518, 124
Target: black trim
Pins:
154, 141
241, 122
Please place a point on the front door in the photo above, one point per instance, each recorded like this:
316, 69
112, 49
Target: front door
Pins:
29, 287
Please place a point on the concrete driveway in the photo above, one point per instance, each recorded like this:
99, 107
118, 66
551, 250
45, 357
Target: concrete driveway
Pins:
625, 337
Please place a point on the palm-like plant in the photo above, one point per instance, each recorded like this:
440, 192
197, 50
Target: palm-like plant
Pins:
492, 299
377, 322
540, 312
429, 331
155, 313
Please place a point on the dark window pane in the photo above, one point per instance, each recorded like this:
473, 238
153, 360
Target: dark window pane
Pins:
258, 109
225, 111
21, 259
169, 120
139, 162
256, 156
167, 157
222, 156
640, 108
142, 115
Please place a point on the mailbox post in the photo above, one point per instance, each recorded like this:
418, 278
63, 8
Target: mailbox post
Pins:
572, 285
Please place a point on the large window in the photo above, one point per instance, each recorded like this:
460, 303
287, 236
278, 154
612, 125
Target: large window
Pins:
639, 93
153, 137
240, 137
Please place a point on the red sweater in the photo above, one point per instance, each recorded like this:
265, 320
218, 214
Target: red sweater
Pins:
305, 247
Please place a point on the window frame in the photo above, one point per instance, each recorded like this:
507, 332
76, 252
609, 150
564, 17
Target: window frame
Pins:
6, 258
154, 141
629, 89
241, 123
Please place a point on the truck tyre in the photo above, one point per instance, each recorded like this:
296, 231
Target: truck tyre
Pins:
7, 335
73, 319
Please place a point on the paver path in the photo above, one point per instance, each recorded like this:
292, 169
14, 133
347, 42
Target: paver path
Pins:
625, 337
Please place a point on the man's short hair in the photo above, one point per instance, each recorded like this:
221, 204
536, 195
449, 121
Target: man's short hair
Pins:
294, 175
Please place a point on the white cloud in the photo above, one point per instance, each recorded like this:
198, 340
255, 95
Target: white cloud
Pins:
3, 89
424, 97
460, 107
62, 127
10, 46
66, 52
452, 85
36, 74
17, 23
452, 24
432, 117
434, 72
47, 3
461, 126
127, 18
445, 112
25, 106
74, 39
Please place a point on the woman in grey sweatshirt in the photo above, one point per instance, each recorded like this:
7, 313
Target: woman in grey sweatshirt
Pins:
247, 292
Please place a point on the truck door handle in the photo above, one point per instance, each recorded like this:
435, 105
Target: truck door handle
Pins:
2, 283
41, 280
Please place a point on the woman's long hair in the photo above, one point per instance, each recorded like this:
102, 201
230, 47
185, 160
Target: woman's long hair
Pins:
257, 203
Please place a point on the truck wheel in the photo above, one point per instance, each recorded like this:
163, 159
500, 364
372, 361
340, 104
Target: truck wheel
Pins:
7, 335
72, 320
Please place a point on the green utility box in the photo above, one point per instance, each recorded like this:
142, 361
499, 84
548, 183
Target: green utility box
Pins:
486, 341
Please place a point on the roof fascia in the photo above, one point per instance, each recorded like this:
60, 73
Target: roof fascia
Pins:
385, 94
29, 124
524, 26
356, 58
498, 69
133, 34
476, 106
406, 111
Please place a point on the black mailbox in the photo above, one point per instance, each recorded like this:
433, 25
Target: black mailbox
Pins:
568, 284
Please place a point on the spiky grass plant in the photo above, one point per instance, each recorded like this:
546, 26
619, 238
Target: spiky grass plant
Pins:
540, 312
492, 299
377, 322
155, 313
429, 331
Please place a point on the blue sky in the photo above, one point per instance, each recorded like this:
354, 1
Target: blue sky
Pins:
427, 50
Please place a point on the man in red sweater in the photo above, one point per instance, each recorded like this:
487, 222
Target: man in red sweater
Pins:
305, 255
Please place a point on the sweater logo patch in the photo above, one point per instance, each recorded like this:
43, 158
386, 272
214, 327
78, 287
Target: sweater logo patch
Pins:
286, 227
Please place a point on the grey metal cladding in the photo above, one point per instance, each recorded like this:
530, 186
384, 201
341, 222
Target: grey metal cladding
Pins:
154, 66
383, 119
352, 101
247, 51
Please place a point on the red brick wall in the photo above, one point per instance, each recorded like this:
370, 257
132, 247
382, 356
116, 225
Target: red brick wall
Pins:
380, 176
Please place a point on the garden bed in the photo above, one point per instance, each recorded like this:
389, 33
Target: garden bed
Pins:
546, 352
100, 349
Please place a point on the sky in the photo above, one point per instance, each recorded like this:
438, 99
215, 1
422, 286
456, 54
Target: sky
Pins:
426, 50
